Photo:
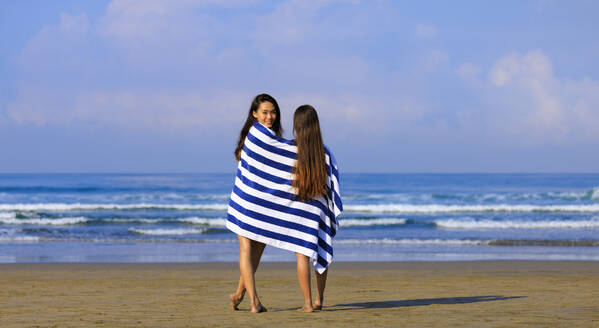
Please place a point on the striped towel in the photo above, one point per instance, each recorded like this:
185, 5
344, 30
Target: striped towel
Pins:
263, 205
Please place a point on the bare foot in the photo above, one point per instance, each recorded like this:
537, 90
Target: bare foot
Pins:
317, 307
306, 309
235, 300
258, 309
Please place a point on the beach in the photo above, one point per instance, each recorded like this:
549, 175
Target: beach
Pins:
359, 294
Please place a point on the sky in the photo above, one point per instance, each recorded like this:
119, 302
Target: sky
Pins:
399, 86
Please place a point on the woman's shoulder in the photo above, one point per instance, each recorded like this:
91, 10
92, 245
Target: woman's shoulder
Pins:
270, 133
262, 128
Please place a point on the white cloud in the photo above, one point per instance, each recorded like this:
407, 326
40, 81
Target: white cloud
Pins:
55, 47
532, 98
134, 109
168, 63
533, 65
526, 103
296, 22
133, 19
169, 69
116, 71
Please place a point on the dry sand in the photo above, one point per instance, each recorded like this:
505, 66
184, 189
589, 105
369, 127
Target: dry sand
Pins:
437, 294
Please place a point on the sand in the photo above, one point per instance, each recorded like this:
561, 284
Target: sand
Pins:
421, 294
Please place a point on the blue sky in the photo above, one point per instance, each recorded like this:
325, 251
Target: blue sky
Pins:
400, 86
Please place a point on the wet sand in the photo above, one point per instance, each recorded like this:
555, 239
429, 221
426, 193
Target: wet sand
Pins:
411, 294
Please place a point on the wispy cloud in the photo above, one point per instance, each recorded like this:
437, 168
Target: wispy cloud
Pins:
146, 47
377, 71
525, 102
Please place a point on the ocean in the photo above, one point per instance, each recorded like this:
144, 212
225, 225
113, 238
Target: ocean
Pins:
387, 217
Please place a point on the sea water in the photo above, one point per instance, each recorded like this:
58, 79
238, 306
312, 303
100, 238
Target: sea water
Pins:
387, 217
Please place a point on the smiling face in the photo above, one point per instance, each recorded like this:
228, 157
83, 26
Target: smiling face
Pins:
266, 114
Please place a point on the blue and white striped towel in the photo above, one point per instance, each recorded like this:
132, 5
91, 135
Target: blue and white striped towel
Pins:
263, 206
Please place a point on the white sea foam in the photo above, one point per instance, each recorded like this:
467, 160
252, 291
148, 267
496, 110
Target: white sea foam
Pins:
164, 196
569, 195
401, 197
205, 221
213, 222
7, 215
7, 219
9, 236
387, 241
18, 239
167, 232
437, 208
132, 220
377, 208
45, 221
145, 240
493, 197
79, 206
371, 222
469, 223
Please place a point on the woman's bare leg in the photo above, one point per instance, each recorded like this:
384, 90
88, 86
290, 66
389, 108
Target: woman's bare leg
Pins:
303, 276
321, 282
257, 248
247, 273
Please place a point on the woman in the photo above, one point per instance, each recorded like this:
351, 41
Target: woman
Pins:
310, 182
265, 110
286, 194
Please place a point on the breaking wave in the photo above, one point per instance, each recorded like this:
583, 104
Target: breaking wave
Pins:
371, 222
471, 242
79, 206
388, 241
437, 208
44, 221
469, 223
168, 232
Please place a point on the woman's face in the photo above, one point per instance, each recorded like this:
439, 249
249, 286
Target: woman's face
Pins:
266, 114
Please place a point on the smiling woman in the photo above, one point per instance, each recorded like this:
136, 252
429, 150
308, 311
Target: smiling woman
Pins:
266, 114
264, 109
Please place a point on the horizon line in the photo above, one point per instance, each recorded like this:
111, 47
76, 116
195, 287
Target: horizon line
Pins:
350, 172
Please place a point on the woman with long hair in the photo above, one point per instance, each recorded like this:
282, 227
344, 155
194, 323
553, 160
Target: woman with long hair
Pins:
310, 182
286, 194
265, 110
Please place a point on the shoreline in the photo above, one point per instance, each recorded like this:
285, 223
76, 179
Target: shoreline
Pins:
285, 265
447, 294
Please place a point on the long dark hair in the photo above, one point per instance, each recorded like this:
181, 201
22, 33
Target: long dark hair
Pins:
276, 125
310, 168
